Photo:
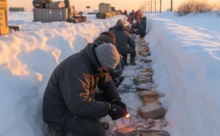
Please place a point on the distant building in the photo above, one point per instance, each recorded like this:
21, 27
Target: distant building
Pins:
16, 9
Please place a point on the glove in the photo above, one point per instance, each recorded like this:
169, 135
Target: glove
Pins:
115, 112
122, 105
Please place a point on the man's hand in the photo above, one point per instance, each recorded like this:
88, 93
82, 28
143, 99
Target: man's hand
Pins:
115, 112
121, 104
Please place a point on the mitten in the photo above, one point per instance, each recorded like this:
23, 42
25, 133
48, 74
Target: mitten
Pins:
122, 105
115, 112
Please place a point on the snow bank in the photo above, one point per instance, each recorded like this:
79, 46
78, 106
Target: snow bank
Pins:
186, 61
27, 58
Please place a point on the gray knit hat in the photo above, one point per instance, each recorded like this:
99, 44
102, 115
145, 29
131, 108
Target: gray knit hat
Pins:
107, 55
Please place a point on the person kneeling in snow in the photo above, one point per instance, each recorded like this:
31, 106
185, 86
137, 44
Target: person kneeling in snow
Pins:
109, 37
138, 29
69, 107
125, 43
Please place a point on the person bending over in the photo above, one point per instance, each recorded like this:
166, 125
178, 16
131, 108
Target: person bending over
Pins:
69, 107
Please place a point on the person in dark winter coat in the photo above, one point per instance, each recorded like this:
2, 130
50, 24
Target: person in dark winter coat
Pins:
69, 107
125, 13
131, 16
139, 29
127, 28
125, 42
144, 22
109, 37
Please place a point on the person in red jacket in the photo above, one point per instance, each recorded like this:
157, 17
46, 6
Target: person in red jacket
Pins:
138, 16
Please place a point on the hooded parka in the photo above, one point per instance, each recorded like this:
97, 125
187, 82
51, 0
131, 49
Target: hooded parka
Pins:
140, 30
124, 40
68, 102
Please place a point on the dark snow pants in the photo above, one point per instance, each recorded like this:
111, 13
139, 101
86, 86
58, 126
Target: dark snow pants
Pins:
130, 51
83, 126
79, 126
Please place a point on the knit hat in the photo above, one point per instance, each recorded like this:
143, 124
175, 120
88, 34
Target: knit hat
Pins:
107, 55
104, 39
121, 23
110, 34
124, 23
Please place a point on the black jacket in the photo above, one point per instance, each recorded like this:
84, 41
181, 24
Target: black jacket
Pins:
139, 29
124, 40
71, 88
144, 22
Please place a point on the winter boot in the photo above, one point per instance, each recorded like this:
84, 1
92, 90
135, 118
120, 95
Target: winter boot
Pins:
125, 60
132, 61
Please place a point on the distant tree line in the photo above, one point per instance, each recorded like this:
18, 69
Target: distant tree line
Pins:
197, 6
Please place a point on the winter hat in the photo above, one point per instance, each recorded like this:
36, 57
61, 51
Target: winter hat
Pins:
110, 34
107, 55
121, 23
124, 23
104, 39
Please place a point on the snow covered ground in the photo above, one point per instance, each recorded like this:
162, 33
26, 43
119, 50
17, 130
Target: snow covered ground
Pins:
186, 61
